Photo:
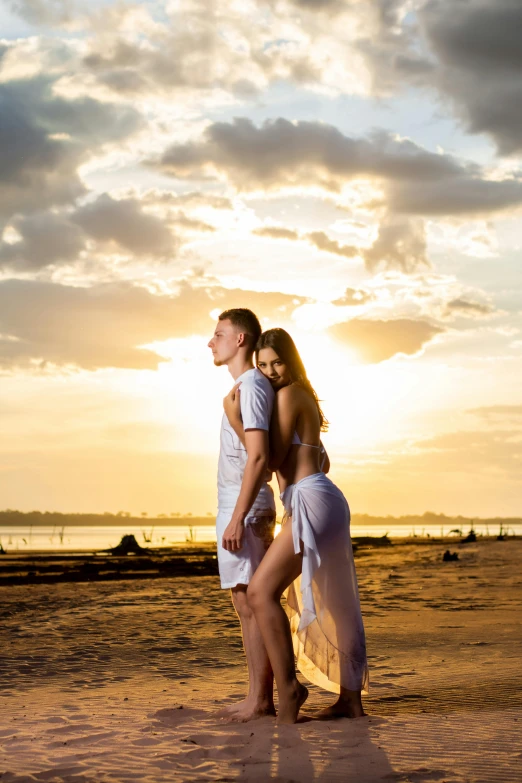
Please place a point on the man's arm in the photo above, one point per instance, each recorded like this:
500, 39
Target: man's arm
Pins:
256, 443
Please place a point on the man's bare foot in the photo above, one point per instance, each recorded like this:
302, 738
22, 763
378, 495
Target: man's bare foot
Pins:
290, 705
225, 712
343, 708
245, 710
249, 712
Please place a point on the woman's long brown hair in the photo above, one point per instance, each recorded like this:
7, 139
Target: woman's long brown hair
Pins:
283, 345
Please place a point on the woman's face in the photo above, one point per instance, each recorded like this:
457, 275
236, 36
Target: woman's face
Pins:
273, 368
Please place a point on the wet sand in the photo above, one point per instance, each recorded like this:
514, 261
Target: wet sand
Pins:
117, 680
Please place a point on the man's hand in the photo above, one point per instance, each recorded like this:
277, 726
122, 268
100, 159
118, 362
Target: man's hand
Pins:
256, 444
233, 535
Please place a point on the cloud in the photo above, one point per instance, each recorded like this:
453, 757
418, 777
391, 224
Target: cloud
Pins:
197, 46
318, 239
354, 297
44, 138
510, 412
467, 308
125, 223
323, 242
174, 55
400, 244
492, 443
194, 199
46, 239
468, 51
278, 232
463, 195
49, 238
186, 223
281, 153
329, 7
376, 341
477, 44
102, 326
453, 459
211, 51
388, 39
36, 170
45, 12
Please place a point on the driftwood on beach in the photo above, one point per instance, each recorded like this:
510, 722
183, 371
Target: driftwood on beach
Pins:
127, 546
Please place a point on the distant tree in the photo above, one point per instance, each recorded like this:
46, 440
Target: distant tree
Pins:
144, 513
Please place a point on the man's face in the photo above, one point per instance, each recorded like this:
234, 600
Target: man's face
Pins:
225, 342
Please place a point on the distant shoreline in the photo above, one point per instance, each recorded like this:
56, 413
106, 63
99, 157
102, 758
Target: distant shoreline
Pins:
14, 518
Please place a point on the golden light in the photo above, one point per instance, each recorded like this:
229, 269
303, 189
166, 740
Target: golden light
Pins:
365, 404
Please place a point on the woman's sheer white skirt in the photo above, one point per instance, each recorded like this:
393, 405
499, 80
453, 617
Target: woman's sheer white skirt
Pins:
323, 603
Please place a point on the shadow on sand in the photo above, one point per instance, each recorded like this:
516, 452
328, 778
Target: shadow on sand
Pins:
311, 751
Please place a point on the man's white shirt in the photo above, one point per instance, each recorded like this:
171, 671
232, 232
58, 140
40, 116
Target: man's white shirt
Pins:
257, 401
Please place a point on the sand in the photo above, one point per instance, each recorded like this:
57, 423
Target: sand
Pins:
117, 681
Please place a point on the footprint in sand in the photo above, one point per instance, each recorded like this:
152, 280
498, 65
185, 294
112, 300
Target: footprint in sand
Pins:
174, 716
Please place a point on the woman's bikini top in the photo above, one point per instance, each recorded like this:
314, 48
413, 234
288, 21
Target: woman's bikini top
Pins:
296, 441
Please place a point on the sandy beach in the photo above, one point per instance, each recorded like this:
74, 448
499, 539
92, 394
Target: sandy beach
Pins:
118, 680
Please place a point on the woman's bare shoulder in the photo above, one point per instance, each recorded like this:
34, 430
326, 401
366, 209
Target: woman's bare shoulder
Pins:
288, 396
292, 398
290, 392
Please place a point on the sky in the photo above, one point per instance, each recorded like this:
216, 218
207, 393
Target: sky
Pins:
349, 170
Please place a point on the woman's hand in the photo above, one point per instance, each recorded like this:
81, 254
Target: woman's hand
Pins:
232, 404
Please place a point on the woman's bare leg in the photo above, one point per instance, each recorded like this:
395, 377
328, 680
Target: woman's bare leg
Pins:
278, 569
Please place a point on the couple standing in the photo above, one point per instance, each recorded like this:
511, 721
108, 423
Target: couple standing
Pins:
272, 422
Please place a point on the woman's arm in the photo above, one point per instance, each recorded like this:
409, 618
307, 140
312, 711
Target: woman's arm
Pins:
325, 459
232, 406
282, 425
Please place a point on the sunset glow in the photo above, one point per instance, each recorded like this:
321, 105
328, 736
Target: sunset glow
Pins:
354, 194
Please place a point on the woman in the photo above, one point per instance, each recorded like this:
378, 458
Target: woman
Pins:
312, 556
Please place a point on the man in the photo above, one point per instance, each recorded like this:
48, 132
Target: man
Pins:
246, 510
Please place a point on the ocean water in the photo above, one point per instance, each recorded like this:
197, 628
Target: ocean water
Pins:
19, 538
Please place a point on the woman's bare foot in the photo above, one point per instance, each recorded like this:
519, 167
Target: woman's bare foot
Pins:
348, 705
246, 710
291, 703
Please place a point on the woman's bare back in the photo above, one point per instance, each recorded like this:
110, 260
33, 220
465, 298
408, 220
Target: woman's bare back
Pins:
298, 408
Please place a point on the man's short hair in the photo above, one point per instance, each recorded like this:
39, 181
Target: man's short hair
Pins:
244, 320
